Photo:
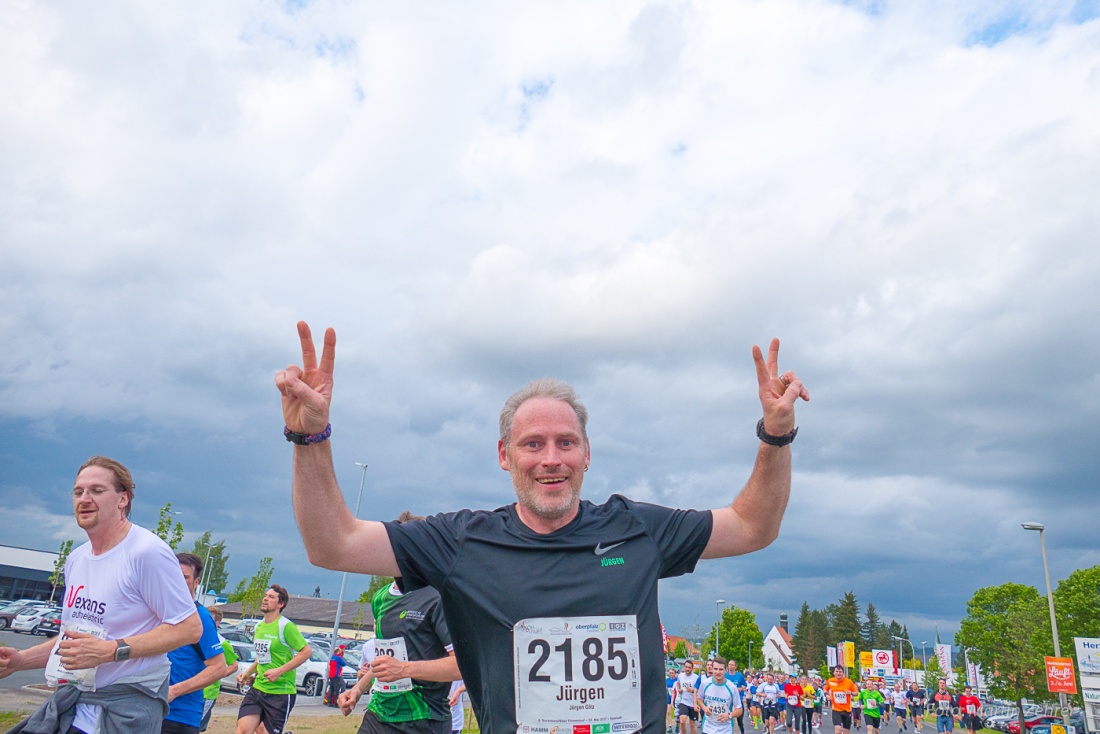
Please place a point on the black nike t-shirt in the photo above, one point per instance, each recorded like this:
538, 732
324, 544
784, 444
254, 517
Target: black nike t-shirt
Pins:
492, 571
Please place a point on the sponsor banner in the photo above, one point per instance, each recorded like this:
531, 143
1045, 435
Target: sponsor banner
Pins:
1060, 675
830, 653
972, 675
943, 654
1088, 655
1091, 696
849, 654
883, 659
866, 660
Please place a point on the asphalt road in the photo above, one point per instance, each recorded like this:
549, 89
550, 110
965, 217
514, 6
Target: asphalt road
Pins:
20, 642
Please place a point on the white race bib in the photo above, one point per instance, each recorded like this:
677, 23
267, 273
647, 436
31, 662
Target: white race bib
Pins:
840, 697
263, 651
572, 671
58, 674
395, 648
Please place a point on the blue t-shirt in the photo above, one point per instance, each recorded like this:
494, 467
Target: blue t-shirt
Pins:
187, 663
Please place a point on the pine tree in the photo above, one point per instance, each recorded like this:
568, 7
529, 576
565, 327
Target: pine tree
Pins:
845, 625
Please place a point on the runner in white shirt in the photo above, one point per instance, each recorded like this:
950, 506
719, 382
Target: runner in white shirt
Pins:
899, 703
719, 701
686, 685
125, 604
769, 694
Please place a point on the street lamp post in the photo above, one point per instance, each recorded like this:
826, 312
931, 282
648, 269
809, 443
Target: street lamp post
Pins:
344, 577
901, 651
924, 654
1050, 603
749, 666
717, 623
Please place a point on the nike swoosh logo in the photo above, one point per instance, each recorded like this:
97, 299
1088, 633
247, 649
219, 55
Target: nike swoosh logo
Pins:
601, 549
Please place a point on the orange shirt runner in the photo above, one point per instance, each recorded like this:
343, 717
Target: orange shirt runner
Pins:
840, 693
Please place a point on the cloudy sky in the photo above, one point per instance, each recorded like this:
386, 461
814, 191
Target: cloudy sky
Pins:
627, 195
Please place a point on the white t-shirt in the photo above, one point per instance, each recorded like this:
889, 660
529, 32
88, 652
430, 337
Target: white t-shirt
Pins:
688, 684
458, 711
132, 588
898, 697
720, 699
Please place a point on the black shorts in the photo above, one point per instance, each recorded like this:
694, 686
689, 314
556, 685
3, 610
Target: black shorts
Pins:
272, 708
900, 713
373, 725
689, 711
972, 721
872, 717
843, 719
175, 727
916, 710
770, 712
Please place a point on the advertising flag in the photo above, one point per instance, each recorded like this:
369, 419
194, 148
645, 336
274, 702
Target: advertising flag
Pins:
830, 653
849, 655
943, 654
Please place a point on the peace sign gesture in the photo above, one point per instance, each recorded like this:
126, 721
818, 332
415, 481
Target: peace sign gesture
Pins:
307, 390
778, 392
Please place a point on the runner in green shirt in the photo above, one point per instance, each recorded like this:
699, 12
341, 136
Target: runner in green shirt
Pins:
873, 704
280, 648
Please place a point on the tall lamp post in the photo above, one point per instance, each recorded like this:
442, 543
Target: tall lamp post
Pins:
749, 666
900, 648
924, 654
717, 623
1050, 603
344, 577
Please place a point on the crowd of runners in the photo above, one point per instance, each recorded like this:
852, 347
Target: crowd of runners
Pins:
717, 698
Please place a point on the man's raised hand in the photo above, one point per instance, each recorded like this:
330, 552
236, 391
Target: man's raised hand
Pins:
778, 392
307, 390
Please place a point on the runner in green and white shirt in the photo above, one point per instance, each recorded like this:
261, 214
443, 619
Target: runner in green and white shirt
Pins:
280, 648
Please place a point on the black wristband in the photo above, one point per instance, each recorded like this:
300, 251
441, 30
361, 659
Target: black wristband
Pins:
305, 439
771, 440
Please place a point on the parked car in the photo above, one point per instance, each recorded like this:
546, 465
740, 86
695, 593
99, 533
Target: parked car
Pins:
236, 636
50, 624
28, 619
310, 676
246, 655
11, 611
1013, 727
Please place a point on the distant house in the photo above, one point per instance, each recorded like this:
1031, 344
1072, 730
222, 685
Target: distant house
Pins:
674, 642
312, 614
778, 655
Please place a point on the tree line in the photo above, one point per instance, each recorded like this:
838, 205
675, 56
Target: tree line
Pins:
817, 629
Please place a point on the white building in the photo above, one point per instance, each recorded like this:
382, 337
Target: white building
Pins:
778, 655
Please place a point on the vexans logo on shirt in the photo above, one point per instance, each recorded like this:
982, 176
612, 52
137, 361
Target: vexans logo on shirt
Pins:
85, 607
412, 614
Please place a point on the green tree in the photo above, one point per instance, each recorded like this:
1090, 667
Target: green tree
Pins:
933, 674
810, 638
170, 533
737, 629
844, 624
1004, 629
57, 578
215, 574
250, 592
873, 627
681, 650
1077, 606
376, 583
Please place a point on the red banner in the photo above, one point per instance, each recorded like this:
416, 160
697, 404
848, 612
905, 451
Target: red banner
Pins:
1060, 675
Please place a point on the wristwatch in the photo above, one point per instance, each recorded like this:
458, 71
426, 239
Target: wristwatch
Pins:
122, 652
